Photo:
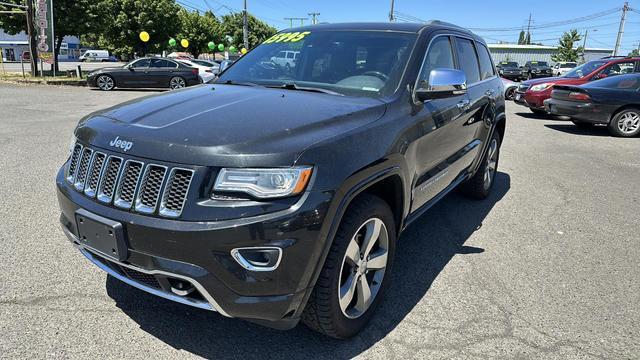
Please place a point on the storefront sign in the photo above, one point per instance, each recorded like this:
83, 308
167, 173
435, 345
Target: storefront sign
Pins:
44, 24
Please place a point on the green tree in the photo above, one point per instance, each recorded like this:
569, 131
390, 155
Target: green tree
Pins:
199, 30
527, 39
521, 38
634, 53
123, 20
71, 17
566, 47
259, 31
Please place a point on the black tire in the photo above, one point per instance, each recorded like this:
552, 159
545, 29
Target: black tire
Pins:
616, 124
510, 94
582, 124
476, 187
323, 312
539, 112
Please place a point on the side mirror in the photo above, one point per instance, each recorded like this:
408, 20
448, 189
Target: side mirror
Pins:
443, 83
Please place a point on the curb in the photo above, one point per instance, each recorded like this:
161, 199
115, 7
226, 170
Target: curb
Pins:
81, 83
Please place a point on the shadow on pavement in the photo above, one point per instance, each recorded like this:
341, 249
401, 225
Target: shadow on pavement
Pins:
573, 129
425, 248
532, 116
133, 89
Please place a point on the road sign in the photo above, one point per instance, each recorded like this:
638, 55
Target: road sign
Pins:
45, 35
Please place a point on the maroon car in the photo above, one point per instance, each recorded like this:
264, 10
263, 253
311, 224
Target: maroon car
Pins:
533, 93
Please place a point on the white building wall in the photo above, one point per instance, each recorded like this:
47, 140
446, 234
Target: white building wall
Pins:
523, 53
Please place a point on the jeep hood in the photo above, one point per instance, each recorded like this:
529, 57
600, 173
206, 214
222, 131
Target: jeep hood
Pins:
227, 125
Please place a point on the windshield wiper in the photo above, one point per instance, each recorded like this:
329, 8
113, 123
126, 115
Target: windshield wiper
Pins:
231, 82
293, 86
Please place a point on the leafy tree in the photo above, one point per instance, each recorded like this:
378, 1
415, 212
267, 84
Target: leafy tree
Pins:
123, 20
634, 53
71, 17
259, 31
566, 48
199, 30
527, 39
521, 38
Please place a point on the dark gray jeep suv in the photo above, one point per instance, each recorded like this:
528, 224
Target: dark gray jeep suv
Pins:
278, 195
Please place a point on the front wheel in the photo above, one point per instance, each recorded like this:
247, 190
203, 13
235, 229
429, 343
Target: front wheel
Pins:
479, 186
356, 270
510, 93
177, 82
105, 82
626, 123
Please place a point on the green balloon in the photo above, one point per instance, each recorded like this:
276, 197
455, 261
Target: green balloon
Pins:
211, 45
172, 42
232, 48
220, 47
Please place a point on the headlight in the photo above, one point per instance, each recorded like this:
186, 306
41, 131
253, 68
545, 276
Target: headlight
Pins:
264, 183
541, 87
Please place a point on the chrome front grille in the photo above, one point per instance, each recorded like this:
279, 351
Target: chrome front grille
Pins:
149, 193
175, 193
91, 186
129, 184
83, 167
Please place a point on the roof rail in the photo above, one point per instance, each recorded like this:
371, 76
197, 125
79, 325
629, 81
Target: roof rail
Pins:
444, 23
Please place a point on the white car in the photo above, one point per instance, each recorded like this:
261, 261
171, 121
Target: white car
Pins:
95, 55
214, 66
286, 59
205, 72
561, 68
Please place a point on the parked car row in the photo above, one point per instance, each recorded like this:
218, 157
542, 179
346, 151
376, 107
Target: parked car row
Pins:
531, 69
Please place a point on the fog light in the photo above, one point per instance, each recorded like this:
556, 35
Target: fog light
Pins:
265, 258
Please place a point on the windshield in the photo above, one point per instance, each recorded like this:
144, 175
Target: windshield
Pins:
568, 65
360, 63
584, 69
508, 64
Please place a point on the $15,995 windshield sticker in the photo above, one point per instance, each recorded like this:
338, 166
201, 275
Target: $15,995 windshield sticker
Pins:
287, 37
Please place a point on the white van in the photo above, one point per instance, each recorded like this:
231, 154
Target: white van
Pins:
95, 55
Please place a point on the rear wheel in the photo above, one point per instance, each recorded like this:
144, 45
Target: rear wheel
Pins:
626, 123
356, 270
177, 82
479, 186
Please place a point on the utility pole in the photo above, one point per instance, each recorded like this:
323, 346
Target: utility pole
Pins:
625, 8
392, 18
528, 36
295, 18
245, 26
314, 16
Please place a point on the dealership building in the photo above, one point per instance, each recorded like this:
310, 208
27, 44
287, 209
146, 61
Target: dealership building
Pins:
523, 53
13, 46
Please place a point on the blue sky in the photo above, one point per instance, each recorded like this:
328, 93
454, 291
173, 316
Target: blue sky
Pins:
484, 14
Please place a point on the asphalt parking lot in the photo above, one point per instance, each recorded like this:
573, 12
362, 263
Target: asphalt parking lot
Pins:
547, 267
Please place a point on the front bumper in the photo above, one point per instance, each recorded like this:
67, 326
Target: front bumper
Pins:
532, 100
200, 253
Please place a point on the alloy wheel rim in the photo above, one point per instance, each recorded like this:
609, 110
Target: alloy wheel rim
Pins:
629, 122
105, 83
492, 162
177, 83
363, 268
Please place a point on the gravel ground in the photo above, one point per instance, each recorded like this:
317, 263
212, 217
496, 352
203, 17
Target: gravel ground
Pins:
547, 267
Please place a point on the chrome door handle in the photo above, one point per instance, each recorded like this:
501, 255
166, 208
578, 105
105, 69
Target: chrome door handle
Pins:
462, 104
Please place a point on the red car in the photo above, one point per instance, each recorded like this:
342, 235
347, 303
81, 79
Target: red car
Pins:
533, 93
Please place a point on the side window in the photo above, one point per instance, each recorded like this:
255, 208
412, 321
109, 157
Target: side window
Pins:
486, 69
171, 64
440, 55
619, 69
468, 60
143, 63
